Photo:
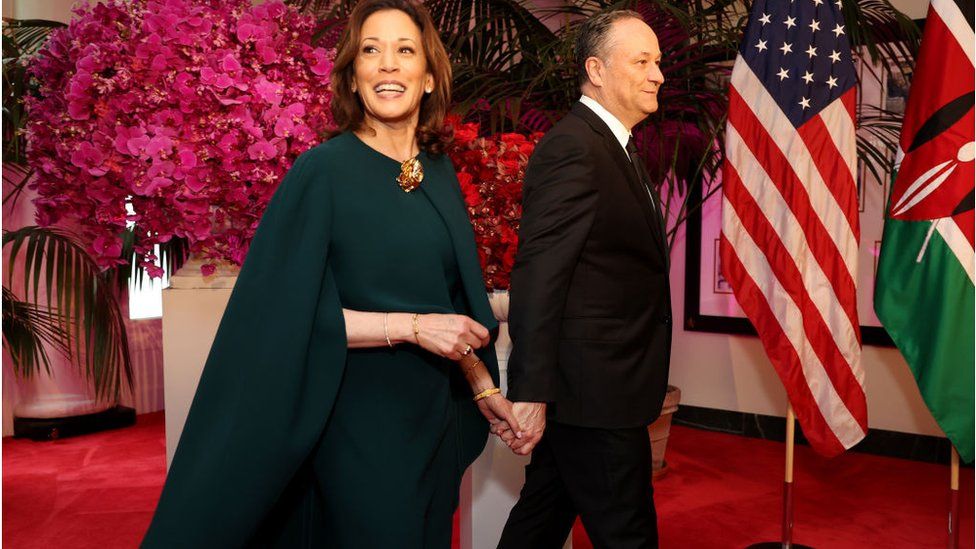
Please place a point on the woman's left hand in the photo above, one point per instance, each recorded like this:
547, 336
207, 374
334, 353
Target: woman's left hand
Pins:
498, 411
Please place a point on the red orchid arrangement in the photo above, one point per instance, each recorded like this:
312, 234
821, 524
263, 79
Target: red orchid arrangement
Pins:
180, 116
491, 171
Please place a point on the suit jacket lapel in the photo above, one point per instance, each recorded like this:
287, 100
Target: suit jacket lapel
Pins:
652, 214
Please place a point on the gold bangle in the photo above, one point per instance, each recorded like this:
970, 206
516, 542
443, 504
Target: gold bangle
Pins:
416, 328
386, 329
473, 365
487, 393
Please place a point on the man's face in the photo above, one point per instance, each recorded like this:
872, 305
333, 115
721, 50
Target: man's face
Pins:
632, 72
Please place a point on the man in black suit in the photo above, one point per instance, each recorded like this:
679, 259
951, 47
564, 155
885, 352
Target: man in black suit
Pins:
590, 315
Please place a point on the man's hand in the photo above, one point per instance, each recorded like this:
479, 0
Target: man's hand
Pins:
531, 417
498, 411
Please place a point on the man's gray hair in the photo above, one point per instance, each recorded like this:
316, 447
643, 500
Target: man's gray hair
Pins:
593, 35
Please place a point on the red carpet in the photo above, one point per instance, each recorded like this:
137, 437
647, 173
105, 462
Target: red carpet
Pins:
723, 491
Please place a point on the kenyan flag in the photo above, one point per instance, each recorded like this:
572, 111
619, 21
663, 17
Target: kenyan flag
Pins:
925, 287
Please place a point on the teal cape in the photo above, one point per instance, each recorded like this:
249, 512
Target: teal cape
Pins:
241, 475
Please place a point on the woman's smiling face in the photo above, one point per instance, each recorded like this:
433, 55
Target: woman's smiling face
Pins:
391, 73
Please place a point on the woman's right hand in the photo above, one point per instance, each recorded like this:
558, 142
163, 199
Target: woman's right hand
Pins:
450, 335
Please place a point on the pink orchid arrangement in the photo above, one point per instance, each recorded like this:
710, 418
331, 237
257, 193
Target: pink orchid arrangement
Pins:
180, 116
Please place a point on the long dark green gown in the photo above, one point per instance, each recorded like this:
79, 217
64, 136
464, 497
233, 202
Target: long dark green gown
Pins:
293, 440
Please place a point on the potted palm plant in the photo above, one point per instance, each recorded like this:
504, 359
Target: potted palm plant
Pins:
62, 313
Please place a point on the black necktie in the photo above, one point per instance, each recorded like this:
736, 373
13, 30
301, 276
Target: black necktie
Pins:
642, 174
645, 180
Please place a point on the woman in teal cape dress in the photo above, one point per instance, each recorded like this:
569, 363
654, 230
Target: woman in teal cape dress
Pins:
322, 417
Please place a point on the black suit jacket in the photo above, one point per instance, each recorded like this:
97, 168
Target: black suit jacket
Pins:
590, 315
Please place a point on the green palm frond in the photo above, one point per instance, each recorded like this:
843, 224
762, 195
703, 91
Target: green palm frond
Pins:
324, 9
21, 39
886, 34
17, 177
64, 287
877, 142
27, 327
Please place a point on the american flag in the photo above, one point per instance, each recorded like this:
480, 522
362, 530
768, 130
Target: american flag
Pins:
790, 216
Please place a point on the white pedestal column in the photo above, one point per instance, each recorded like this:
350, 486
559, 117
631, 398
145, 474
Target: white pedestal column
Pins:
192, 309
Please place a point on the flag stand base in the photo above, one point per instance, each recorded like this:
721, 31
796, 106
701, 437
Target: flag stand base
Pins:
777, 545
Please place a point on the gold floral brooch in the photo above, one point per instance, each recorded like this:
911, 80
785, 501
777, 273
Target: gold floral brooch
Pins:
411, 174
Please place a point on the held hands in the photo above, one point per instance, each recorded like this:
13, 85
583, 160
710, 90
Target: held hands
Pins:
498, 411
531, 420
519, 425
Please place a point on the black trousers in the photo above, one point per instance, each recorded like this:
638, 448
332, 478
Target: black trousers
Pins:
601, 475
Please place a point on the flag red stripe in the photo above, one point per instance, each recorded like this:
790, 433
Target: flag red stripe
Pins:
791, 279
832, 166
850, 102
781, 353
794, 193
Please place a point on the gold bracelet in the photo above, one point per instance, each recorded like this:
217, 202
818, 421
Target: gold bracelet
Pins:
474, 365
386, 329
487, 393
416, 328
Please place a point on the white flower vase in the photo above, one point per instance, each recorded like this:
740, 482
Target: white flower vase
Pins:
499, 301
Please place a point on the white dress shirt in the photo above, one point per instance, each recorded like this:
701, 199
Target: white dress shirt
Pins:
616, 126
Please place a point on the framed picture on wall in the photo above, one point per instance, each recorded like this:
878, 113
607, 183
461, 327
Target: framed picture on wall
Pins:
710, 305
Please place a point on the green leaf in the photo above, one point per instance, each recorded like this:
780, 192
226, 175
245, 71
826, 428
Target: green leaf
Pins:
86, 322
